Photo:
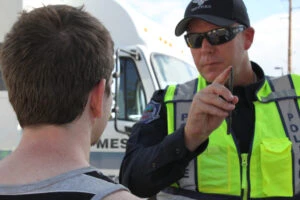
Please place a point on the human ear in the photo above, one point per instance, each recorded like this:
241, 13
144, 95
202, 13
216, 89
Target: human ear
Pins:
97, 95
249, 36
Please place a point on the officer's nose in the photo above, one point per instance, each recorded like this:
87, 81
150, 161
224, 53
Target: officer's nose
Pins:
206, 46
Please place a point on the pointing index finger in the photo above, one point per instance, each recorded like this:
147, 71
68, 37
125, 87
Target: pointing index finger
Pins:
223, 77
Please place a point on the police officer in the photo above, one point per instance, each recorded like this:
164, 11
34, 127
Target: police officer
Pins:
205, 140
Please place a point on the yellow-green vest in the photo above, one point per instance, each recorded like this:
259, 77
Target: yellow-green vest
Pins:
270, 169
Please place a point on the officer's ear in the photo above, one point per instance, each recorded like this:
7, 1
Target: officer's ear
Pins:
248, 37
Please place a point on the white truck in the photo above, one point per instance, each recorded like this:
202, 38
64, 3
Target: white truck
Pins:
147, 59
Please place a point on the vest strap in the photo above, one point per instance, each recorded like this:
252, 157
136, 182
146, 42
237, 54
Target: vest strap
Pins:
280, 95
289, 110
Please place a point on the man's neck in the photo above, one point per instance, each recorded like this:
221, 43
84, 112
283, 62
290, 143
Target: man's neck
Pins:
44, 152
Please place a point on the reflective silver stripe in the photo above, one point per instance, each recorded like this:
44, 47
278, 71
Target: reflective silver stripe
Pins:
183, 97
185, 91
182, 100
290, 114
286, 94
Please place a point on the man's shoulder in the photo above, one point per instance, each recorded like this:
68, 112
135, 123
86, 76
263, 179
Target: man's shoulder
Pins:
85, 182
91, 180
105, 188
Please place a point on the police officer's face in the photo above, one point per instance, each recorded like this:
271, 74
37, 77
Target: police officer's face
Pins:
211, 60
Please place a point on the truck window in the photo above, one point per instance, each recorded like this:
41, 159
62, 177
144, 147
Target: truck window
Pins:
131, 95
171, 70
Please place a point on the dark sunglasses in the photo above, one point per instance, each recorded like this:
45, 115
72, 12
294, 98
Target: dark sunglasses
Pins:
214, 37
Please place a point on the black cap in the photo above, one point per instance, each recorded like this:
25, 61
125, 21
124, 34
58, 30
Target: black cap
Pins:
219, 12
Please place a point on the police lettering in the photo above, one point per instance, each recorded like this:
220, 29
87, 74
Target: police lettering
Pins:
293, 127
296, 139
290, 116
184, 116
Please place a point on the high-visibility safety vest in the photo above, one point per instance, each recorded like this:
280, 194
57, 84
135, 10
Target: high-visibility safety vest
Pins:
272, 166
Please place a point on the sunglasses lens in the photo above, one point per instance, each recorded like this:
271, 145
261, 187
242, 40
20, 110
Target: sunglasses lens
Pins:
219, 36
194, 40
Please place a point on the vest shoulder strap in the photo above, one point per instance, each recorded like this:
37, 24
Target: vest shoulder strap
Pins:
185, 91
282, 89
286, 99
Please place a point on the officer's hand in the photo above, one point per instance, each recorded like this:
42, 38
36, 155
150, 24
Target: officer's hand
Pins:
209, 108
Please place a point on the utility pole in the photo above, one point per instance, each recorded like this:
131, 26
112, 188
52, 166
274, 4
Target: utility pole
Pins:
290, 39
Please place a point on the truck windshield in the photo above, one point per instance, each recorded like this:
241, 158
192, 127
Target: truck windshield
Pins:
171, 70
